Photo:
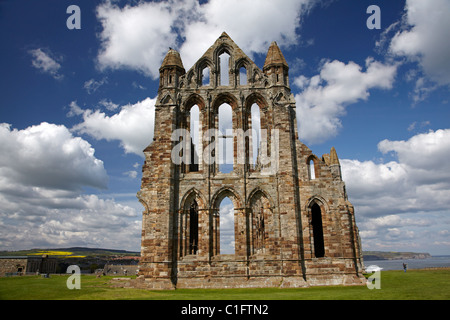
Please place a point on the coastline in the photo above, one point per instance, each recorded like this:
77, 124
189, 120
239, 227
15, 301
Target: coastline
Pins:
434, 262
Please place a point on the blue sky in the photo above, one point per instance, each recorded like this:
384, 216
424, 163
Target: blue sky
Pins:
77, 109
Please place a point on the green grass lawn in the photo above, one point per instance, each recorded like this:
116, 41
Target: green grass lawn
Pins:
395, 285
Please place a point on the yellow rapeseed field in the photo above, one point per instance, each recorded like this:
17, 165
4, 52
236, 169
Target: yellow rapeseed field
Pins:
51, 253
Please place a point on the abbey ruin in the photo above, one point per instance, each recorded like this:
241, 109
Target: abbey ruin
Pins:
293, 225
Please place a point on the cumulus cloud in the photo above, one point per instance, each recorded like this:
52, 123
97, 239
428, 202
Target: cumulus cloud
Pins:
248, 27
325, 96
425, 154
49, 156
417, 180
45, 62
51, 220
137, 37
421, 38
421, 231
402, 197
43, 171
132, 126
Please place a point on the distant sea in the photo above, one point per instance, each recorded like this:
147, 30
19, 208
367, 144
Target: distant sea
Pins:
433, 262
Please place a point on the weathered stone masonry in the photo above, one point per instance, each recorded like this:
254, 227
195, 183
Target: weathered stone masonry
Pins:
293, 223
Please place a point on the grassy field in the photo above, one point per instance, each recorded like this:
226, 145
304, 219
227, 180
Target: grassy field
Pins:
395, 285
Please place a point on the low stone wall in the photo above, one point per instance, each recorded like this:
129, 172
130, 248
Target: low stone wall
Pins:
12, 266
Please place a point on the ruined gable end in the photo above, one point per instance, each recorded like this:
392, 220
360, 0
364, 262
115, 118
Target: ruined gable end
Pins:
226, 133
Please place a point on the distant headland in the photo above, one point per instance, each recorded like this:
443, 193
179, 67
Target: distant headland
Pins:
390, 255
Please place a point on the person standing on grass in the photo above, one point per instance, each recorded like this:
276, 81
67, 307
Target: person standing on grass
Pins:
405, 266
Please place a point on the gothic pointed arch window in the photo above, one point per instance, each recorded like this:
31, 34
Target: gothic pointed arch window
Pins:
312, 170
242, 76
224, 68
188, 224
223, 237
313, 167
188, 234
226, 138
226, 226
193, 227
192, 123
317, 230
256, 134
259, 222
205, 76
194, 130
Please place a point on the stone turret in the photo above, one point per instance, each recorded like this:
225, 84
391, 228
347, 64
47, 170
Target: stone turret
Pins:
171, 70
276, 67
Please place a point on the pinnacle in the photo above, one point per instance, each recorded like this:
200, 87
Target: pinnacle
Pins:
274, 56
171, 59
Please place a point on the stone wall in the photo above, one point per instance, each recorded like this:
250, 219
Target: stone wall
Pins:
11, 265
27, 264
291, 227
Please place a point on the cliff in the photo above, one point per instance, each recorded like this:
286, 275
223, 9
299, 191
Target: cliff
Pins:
390, 255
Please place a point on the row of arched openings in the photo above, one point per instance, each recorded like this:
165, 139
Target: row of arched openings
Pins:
221, 221
225, 152
223, 73
223, 240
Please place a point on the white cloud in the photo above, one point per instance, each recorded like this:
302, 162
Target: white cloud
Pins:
421, 39
46, 63
43, 169
132, 126
409, 196
137, 37
132, 174
325, 96
74, 109
418, 181
92, 85
138, 86
394, 222
68, 220
49, 156
422, 89
252, 27
108, 104
424, 155
418, 126
421, 231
